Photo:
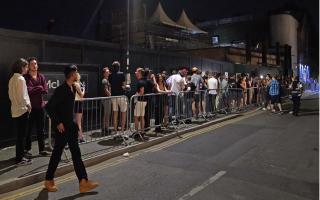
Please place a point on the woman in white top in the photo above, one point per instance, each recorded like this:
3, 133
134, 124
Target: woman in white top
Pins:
20, 107
78, 106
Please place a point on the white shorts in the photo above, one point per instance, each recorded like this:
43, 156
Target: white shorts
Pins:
139, 109
119, 102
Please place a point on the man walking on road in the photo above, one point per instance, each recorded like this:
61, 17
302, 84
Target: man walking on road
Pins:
60, 109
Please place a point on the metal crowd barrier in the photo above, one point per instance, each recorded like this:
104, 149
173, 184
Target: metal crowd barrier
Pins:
184, 102
116, 117
97, 118
148, 111
230, 100
102, 118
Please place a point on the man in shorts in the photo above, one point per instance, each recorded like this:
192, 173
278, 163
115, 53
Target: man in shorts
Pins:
274, 92
119, 101
197, 80
140, 103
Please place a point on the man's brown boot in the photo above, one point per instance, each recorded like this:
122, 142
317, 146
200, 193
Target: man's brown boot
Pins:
50, 186
86, 185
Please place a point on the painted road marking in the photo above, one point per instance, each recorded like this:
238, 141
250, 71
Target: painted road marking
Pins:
196, 133
60, 180
69, 177
201, 187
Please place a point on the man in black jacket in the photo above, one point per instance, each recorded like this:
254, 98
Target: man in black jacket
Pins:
60, 109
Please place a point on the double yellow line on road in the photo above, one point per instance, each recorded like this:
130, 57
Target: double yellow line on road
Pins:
68, 177
200, 132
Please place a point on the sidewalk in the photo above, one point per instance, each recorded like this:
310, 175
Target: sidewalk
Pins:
13, 177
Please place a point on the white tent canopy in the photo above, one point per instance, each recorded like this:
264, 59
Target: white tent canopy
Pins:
160, 16
186, 22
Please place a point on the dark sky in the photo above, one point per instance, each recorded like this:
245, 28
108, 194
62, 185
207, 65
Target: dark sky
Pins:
72, 15
212, 9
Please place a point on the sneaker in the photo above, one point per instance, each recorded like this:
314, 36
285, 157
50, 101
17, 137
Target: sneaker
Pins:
45, 153
291, 112
264, 109
50, 186
86, 185
27, 153
24, 161
82, 141
125, 136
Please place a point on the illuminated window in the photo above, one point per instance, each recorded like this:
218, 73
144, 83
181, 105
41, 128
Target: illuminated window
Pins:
215, 39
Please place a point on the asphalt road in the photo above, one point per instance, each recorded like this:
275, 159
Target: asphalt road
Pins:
260, 157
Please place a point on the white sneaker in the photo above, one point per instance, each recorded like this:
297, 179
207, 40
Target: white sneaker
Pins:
264, 109
291, 112
24, 161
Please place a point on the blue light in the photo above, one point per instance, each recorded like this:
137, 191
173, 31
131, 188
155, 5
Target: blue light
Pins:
304, 73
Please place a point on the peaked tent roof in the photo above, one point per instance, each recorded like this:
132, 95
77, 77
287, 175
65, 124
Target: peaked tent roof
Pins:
160, 16
186, 22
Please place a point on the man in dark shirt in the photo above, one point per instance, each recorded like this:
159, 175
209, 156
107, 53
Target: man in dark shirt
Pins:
148, 89
139, 105
119, 101
37, 88
60, 109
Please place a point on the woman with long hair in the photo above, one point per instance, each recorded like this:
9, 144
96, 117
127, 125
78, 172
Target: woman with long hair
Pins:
162, 111
78, 106
106, 103
244, 86
242, 91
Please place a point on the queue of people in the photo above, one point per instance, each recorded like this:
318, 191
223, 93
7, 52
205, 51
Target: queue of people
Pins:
181, 95
200, 94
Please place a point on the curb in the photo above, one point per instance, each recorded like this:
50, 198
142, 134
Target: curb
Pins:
17, 183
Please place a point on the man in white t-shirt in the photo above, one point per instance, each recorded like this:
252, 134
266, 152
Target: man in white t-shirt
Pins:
177, 85
178, 81
212, 94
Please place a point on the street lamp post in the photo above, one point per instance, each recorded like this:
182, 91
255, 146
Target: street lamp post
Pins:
128, 79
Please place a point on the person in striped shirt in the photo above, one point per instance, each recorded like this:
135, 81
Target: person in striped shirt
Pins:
274, 92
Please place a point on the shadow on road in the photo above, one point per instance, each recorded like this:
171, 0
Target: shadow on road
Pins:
43, 195
76, 196
7, 165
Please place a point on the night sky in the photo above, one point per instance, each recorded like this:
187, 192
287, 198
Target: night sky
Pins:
200, 10
71, 16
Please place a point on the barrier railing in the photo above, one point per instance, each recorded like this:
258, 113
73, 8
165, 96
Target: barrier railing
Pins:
102, 118
151, 111
230, 100
184, 102
116, 117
